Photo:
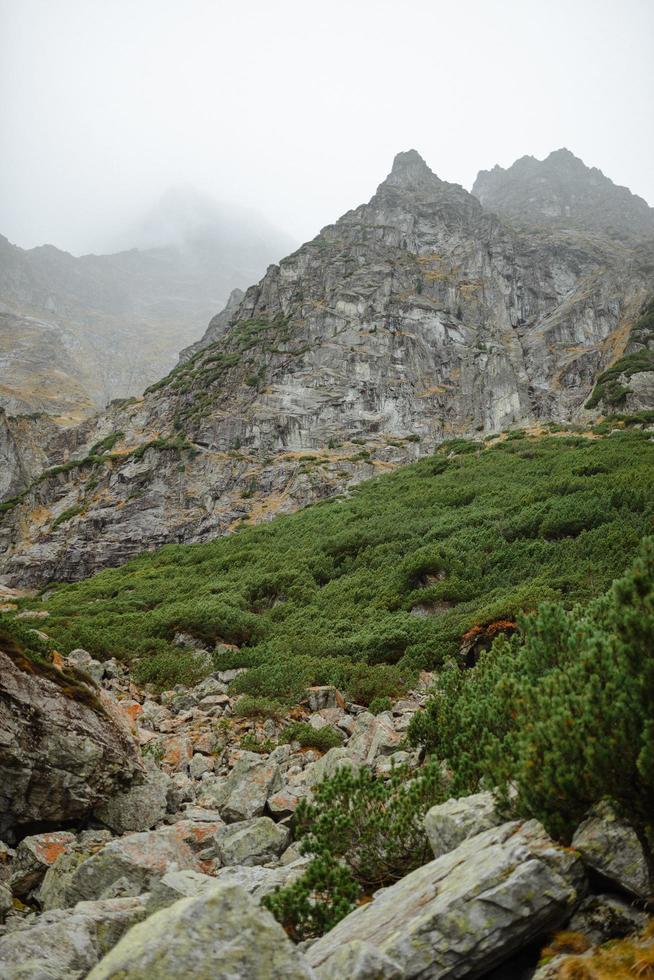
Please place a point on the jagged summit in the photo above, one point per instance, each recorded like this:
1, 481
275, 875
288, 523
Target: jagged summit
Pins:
411, 173
562, 190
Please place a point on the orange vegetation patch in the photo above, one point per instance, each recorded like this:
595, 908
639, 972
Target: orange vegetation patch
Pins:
490, 631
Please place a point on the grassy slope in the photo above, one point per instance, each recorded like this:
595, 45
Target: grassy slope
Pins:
478, 536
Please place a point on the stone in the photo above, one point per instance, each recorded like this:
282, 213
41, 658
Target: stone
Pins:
449, 824
199, 765
282, 804
359, 961
140, 807
175, 885
244, 793
34, 855
65, 945
6, 901
259, 881
331, 761
604, 917
83, 659
610, 846
256, 841
220, 935
325, 696
140, 859
468, 910
62, 753
178, 752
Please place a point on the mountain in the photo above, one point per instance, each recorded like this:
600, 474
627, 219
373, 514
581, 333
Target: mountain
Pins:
77, 332
418, 317
561, 191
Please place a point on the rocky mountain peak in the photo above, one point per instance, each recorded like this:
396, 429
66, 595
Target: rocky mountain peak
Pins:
562, 190
409, 170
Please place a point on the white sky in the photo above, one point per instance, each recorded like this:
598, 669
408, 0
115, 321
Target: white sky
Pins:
297, 107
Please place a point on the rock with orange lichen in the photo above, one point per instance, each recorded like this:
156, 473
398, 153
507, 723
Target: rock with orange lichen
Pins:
34, 855
130, 865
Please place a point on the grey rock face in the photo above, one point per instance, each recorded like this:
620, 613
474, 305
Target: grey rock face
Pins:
134, 863
66, 945
449, 824
419, 315
222, 935
359, 961
244, 793
468, 910
59, 757
609, 845
250, 842
138, 808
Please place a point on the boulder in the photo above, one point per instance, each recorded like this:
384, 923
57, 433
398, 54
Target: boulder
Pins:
175, 885
258, 881
6, 901
604, 917
65, 945
331, 761
220, 935
244, 793
64, 746
610, 846
84, 661
138, 808
468, 910
135, 861
359, 961
256, 841
325, 696
449, 824
34, 855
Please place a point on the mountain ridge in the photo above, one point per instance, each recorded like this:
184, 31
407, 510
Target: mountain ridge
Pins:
417, 317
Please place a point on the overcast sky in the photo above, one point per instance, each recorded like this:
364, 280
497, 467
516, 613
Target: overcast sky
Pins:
297, 107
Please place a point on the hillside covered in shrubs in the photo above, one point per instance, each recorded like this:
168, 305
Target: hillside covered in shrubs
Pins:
365, 591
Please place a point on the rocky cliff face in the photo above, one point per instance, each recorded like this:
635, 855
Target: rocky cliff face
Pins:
416, 317
561, 191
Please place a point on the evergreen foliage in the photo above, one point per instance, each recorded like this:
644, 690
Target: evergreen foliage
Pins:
563, 713
362, 832
472, 534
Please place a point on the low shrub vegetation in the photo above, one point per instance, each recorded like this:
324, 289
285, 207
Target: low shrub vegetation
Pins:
329, 595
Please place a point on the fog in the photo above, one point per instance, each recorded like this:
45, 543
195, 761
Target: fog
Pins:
294, 108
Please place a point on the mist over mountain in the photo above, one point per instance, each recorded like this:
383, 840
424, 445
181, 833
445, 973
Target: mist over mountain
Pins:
79, 331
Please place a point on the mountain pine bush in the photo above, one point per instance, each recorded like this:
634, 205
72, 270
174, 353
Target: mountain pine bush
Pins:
563, 712
362, 832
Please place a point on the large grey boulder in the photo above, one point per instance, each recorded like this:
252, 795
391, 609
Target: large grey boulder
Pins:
138, 808
244, 793
65, 945
259, 881
610, 846
64, 746
221, 935
128, 865
359, 961
449, 824
175, 885
256, 841
468, 910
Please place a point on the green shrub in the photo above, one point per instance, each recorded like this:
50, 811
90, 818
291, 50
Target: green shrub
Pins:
363, 832
563, 713
377, 705
301, 731
257, 707
170, 667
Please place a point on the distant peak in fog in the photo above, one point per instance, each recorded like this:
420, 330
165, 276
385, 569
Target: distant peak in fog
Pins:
185, 216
